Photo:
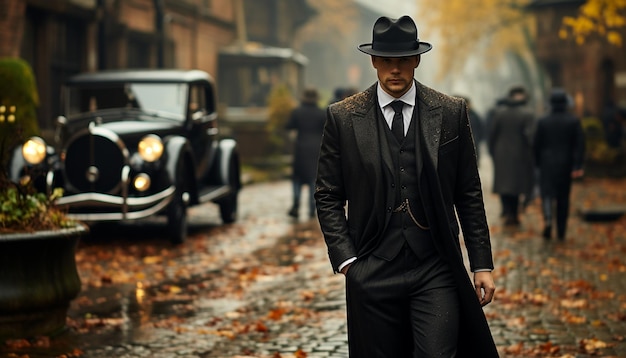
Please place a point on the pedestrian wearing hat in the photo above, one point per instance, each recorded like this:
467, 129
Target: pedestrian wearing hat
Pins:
559, 148
510, 146
397, 165
307, 121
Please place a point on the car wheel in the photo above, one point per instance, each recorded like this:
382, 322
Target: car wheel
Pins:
228, 205
177, 213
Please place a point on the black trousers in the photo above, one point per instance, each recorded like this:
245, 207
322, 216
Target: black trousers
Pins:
402, 308
510, 205
561, 202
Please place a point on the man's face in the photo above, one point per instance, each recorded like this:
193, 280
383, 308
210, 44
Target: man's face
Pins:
395, 73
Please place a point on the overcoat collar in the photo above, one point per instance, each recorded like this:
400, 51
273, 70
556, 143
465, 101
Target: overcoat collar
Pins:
372, 142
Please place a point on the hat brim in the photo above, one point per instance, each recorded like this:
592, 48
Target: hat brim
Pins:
422, 48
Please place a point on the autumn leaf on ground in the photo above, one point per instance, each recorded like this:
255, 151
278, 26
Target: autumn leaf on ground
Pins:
168, 322
516, 322
548, 348
42, 342
515, 349
609, 295
580, 303
592, 345
573, 319
276, 314
227, 333
307, 295
149, 260
17, 343
619, 316
103, 322
261, 327
73, 354
300, 354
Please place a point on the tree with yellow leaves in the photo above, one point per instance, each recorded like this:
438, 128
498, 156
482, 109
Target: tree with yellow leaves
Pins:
500, 26
494, 27
606, 18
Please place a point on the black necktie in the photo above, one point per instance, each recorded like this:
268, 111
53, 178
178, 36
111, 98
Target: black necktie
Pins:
397, 125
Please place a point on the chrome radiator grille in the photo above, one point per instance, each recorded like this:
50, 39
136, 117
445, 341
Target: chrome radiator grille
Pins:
94, 162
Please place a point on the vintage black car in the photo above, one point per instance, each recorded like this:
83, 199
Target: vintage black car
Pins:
136, 143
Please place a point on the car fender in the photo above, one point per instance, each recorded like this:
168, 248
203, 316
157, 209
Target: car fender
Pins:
17, 164
176, 148
227, 152
43, 173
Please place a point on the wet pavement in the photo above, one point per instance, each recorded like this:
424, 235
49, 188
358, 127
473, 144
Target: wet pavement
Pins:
263, 287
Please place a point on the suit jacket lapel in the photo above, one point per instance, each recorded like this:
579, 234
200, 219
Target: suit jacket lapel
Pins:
383, 140
367, 135
429, 125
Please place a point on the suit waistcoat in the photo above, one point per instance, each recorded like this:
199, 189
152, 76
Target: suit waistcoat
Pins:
404, 185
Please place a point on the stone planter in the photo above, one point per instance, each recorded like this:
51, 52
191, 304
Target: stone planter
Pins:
38, 280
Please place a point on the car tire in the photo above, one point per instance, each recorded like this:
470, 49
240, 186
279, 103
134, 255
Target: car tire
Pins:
228, 204
177, 212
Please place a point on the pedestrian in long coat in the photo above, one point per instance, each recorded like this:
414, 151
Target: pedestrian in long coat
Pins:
510, 145
397, 164
559, 149
307, 121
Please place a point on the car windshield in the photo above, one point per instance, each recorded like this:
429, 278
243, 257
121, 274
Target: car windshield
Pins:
165, 98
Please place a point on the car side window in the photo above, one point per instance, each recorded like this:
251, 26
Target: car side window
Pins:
197, 99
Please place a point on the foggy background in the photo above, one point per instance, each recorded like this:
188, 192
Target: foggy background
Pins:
482, 84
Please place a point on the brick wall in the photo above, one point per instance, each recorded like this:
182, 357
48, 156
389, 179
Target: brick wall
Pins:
11, 27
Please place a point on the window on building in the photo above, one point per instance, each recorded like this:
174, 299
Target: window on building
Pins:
138, 52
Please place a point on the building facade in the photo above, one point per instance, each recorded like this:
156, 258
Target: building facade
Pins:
60, 38
592, 73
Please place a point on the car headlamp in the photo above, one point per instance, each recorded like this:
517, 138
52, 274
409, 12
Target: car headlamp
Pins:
142, 182
150, 148
34, 150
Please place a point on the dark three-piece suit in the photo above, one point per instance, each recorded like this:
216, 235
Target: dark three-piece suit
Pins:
401, 198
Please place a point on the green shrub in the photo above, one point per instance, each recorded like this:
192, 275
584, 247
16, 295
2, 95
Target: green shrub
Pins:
596, 148
280, 105
18, 104
22, 209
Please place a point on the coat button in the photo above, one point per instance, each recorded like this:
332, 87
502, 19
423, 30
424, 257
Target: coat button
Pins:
389, 209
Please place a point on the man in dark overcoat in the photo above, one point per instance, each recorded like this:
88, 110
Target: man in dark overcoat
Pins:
510, 145
307, 120
559, 148
399, 157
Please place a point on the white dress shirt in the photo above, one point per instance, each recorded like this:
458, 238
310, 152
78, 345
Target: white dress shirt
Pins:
385, 99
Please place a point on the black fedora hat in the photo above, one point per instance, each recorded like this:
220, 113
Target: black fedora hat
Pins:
395, 38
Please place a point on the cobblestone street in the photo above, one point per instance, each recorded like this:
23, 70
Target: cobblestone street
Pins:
263, 287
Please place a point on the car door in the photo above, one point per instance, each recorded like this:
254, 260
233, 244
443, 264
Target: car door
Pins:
203, 130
